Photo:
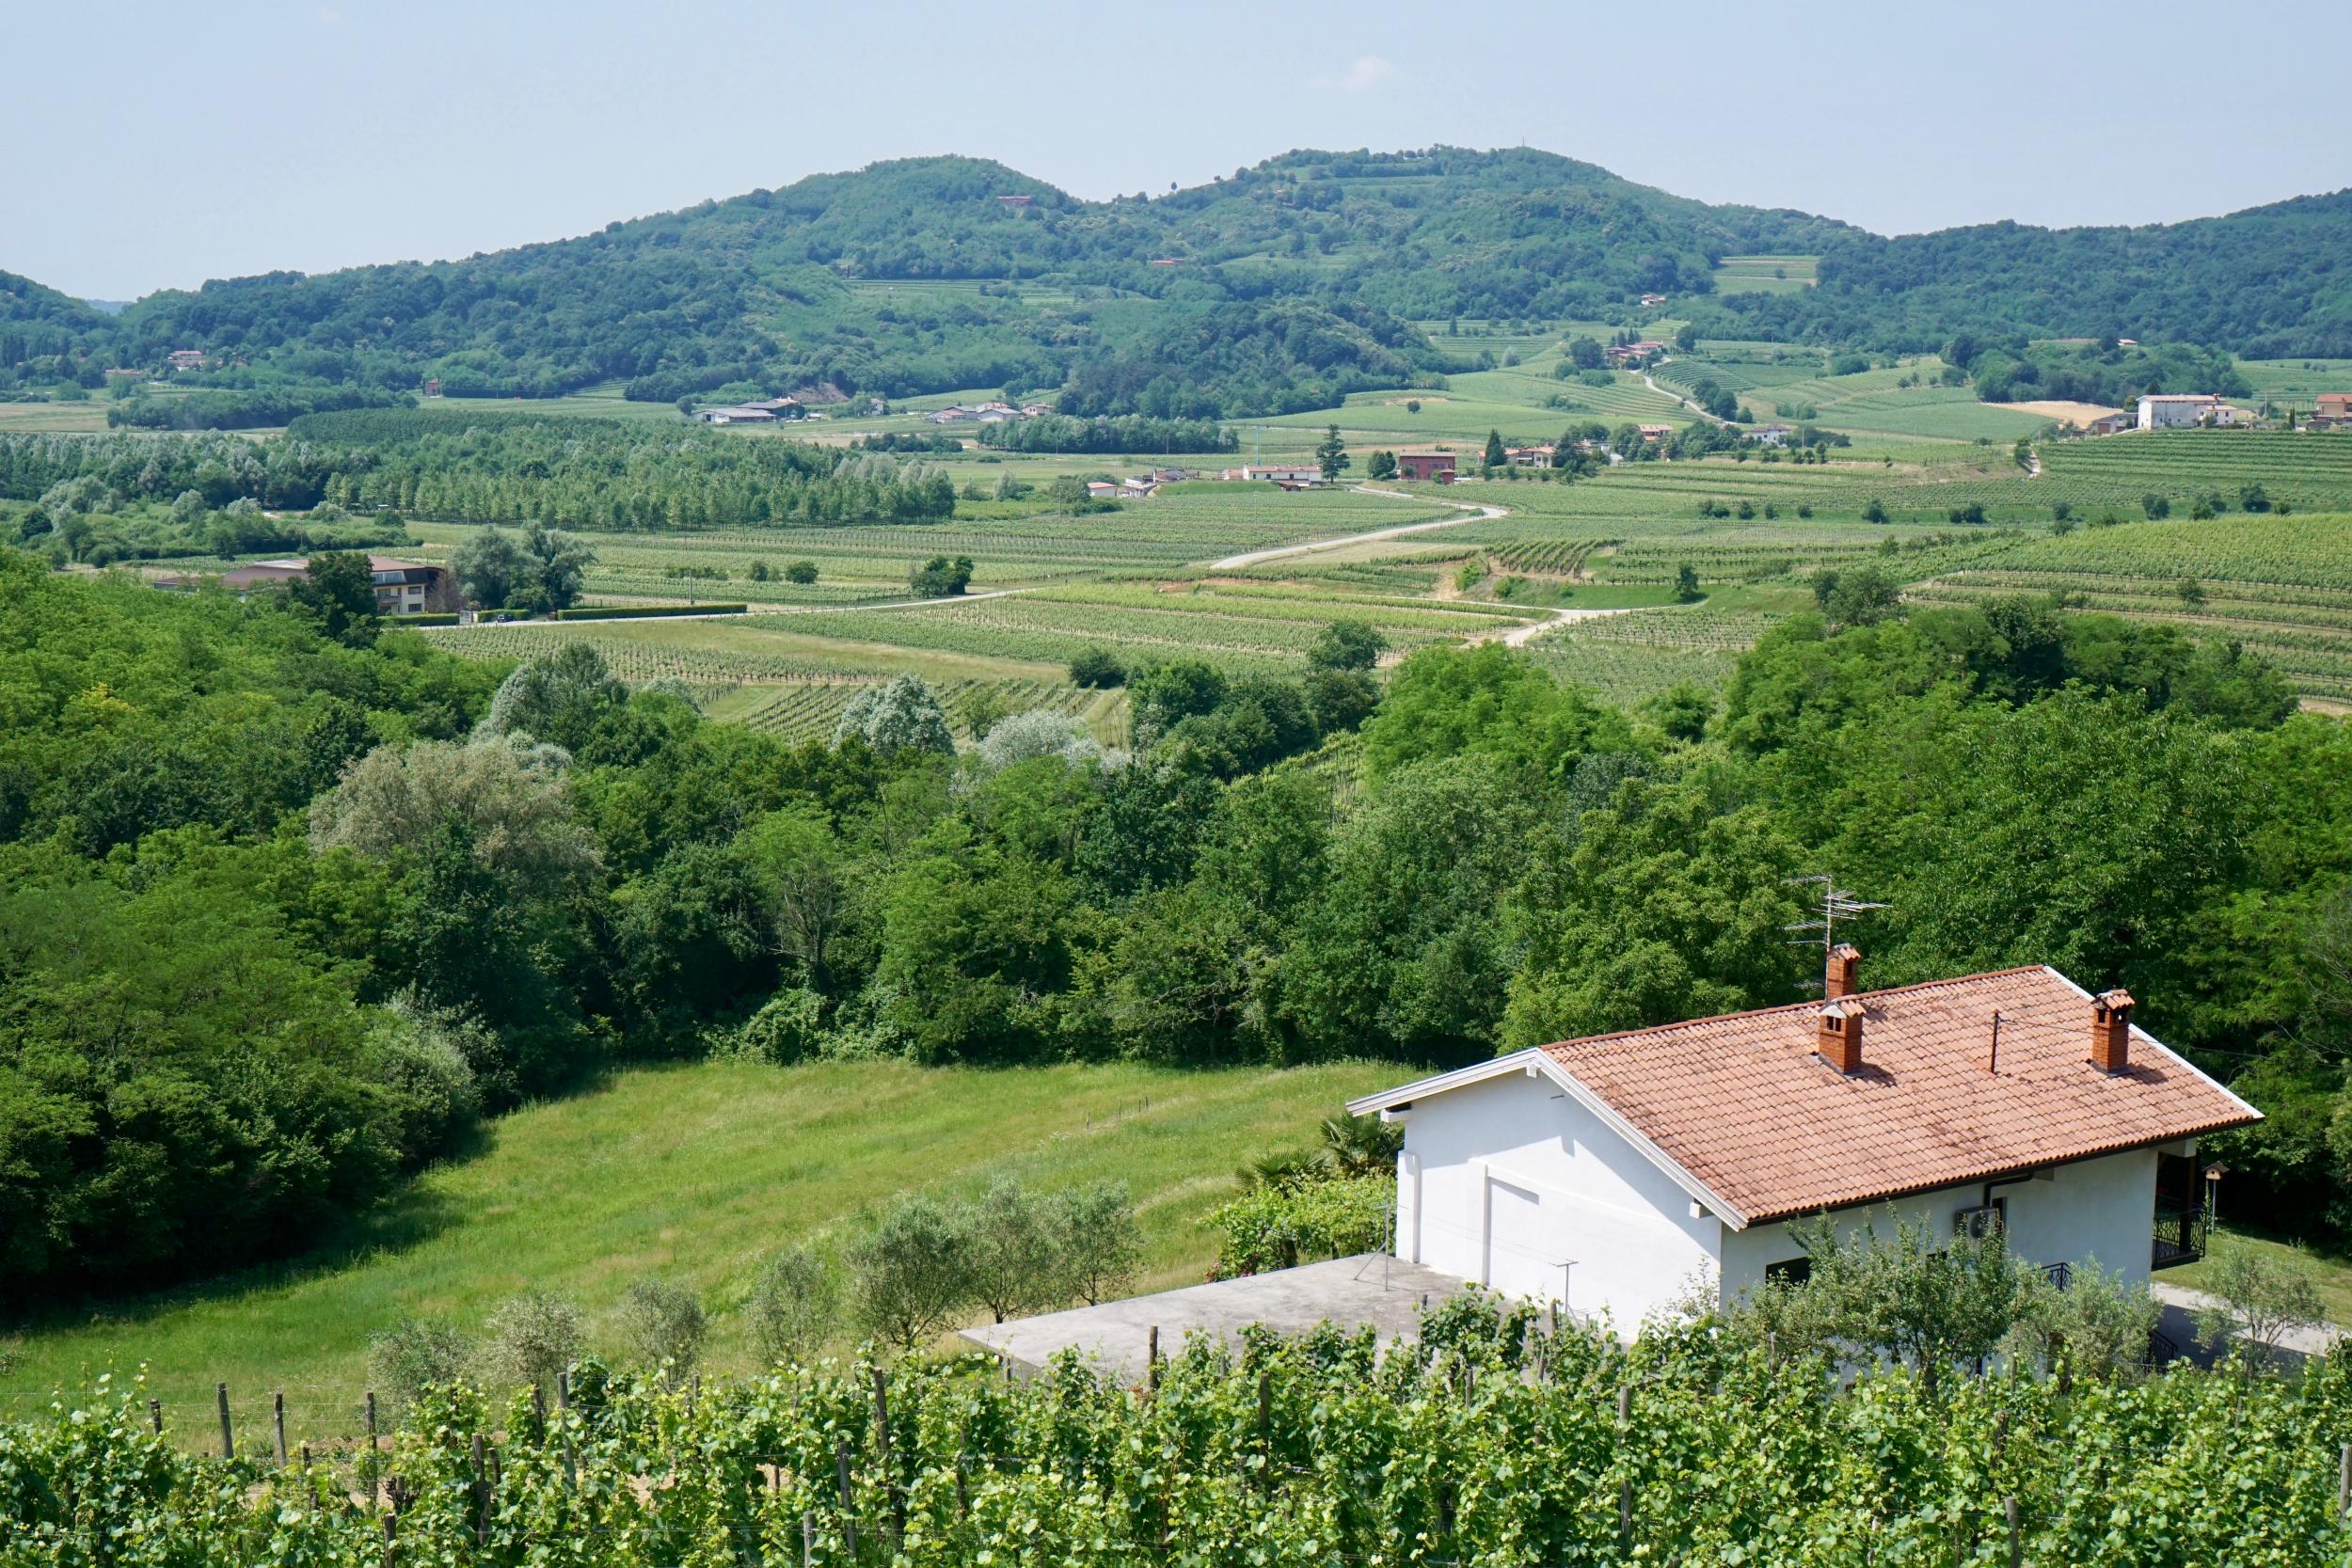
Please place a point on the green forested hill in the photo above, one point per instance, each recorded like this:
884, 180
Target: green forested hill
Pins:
2270, 281
1278, 288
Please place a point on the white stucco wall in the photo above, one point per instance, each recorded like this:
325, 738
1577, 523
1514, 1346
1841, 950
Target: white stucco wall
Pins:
1512, 1184
2097, 1211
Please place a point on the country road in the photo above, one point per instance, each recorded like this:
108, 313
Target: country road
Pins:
1483, 514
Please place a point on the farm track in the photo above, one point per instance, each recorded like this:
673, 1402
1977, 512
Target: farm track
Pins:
1257, 558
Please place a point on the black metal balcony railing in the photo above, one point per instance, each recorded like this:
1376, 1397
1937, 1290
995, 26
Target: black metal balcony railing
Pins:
2180, 1236
2060, 1274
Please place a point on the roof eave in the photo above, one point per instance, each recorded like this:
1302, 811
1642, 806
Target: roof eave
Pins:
1996, 1173
1537, 1061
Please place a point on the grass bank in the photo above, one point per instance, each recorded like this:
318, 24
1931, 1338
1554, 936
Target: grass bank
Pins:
694, 1174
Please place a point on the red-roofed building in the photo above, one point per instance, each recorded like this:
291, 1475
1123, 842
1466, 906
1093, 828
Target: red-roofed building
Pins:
1613, 1173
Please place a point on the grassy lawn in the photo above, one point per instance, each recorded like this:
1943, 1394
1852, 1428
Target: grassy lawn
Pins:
2335, 1273
694, 1174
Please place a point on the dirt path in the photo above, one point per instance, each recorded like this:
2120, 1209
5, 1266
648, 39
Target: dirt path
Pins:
1668, 392
1518, 637
1477, 513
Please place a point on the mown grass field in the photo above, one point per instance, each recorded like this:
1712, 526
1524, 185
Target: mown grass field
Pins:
692, 1174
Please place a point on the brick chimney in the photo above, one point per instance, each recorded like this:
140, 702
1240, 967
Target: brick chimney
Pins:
1845, 972
2111, 1031
1838, 1036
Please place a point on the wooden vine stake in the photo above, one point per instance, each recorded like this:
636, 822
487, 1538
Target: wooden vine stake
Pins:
841, 1484
371, 1464
481, 1494
1624, 1487
277, 1416
228, 1442
155, 1415
2016, 1541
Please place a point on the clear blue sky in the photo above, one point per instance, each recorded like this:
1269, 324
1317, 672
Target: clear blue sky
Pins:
157, 145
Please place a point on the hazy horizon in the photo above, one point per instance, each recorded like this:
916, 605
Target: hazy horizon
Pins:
172, 146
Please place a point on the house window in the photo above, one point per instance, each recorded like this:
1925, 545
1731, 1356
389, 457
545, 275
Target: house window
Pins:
1789, 1270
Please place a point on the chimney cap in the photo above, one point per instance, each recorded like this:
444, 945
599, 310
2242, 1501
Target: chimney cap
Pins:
2115, 1000
1844, 950
1843, 1007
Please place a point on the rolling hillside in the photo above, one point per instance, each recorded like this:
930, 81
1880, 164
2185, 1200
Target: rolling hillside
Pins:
1281, 288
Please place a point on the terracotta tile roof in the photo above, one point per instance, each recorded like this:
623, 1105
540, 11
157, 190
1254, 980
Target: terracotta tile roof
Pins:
1743, 1104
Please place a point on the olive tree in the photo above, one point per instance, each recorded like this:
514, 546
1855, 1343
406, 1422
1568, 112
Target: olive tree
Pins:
529, 1340
910, 1274
898, 716
665, 1327
2262, 1296
793, 1305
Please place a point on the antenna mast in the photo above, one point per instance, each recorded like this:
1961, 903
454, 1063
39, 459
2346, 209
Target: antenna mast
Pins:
1837, 903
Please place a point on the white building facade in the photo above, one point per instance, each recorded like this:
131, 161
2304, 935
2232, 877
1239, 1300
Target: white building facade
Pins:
1629, 1173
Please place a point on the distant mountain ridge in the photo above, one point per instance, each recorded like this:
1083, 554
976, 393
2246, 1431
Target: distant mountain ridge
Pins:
1281, 287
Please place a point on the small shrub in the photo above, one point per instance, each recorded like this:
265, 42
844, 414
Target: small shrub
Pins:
787, 1028
665, 1326
412, 1356
912, 1273
1097, 667
1276, 1228
793, 1307
528, 1339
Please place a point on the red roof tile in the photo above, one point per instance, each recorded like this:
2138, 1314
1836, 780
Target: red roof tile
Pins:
1743, 1104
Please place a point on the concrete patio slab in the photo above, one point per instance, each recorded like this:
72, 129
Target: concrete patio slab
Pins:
1368, 1289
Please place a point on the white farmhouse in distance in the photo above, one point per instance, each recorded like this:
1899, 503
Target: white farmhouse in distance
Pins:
2173, 411
1613, 1173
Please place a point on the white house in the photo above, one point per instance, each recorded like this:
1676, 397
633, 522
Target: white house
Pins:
1614, 1174
2171, 410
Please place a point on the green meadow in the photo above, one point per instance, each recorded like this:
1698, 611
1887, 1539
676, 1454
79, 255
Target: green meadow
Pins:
692, 1174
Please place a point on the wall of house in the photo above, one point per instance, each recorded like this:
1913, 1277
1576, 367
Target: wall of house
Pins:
2092, 1210
1511, 1183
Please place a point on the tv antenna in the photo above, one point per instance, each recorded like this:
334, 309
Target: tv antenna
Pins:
1837, 903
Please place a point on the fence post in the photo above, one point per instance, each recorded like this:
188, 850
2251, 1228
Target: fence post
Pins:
2343, 1483
1624, 1485
562, 1407
1266, 1420
228, 1442
372, 1467
2016, 1541
277, 1416
841, 1484
808, 1538
1152, 1362
155, 1415
481, 1496
387, 1523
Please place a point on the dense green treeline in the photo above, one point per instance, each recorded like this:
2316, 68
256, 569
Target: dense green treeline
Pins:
2266, 282
1278, 288
493, 468
1494, 1440
440, 900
